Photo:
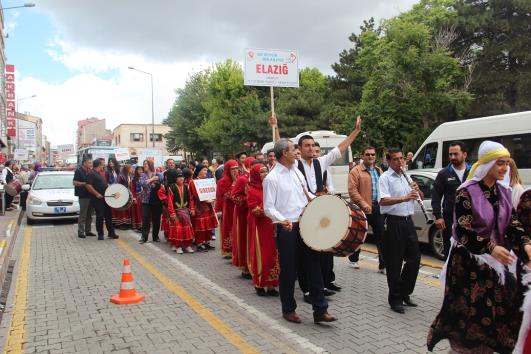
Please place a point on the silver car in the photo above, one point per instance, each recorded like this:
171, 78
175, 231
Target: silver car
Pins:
51, 197
427, 233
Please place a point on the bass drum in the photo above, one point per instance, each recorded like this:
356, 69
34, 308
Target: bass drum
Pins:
331, 224
13, 188
118, 197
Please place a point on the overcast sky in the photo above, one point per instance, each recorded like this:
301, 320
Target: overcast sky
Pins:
74, 54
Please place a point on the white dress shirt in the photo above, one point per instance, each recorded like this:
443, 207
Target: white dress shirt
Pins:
284, 196
4, 174
392, 185
329, 183
325, 162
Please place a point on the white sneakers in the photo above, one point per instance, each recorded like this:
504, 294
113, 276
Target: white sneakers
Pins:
173, 248
189, 249
179, 250
354, 265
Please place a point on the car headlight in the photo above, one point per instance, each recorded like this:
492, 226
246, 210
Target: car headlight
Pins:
34, 201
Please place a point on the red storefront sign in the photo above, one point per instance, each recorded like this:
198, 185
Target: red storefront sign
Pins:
11, 114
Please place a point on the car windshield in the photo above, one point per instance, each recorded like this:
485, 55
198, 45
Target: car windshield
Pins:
53, 182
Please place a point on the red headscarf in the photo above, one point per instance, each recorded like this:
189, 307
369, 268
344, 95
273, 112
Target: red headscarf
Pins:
225, 183
256, 180
248, 161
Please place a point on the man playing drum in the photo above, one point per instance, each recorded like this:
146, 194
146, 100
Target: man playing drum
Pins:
285, 196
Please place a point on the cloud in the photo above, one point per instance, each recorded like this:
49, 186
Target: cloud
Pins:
170, 31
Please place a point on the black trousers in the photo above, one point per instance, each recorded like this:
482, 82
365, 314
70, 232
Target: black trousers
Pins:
103, 212
402, 257
326, 260
376, 220
291, 249
151, 214
9, 200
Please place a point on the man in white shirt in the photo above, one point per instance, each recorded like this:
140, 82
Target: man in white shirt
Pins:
5, 178
285, 196
400, 245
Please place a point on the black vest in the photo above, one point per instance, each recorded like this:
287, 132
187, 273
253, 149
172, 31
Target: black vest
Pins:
177, 196
320, 178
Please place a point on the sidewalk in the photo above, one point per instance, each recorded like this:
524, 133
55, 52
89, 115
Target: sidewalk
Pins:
9, 225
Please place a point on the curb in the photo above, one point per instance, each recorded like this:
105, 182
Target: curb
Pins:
6, 246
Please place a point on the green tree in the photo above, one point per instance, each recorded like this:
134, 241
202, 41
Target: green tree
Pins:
494, 39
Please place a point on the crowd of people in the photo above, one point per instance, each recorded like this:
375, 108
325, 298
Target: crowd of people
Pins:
482, 209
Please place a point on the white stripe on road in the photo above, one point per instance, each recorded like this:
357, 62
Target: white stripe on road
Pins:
254, 312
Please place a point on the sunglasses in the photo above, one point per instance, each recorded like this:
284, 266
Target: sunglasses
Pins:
370, 154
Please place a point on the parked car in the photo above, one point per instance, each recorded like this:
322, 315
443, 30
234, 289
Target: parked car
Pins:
51, 197
427, 233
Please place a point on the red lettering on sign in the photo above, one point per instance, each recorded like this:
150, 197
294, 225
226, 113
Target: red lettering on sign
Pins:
272, 69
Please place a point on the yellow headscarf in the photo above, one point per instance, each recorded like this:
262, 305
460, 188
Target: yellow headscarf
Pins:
489, 152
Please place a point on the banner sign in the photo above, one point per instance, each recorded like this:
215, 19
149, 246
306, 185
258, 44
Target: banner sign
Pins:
271, 67
10, 100
20, 154
154, 155
206, 188
67, 149
122, 154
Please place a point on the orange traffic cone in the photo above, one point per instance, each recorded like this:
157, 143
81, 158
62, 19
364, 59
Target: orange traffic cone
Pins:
127, 293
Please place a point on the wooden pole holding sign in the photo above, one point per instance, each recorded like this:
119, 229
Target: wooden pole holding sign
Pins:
272, 109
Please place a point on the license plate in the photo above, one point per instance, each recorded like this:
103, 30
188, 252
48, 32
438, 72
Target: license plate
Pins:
59, 210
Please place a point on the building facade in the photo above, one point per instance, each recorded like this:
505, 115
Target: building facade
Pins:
137, 137
3, 125
91, 130
29, 135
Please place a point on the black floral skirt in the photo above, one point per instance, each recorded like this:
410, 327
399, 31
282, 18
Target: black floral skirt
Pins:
477, 310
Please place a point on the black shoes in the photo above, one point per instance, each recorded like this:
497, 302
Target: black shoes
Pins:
156, 239
409, 302
142, 241
201, 248
398, 308
333, 287
81, 236
90, 234
208, 246
260, 291
247, 275
328, 292
272, 292
307, 298
115, 236
100, 237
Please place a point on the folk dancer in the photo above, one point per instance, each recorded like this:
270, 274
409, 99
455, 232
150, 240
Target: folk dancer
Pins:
175, 198
285, 196
363, 191
444, 187
151, 205
483, 292
225, 205
263, 251
240, 249
401, 245
203, 215
136, 192
84, 221
96, 185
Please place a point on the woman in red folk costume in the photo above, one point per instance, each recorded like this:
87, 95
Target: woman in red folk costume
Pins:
263, 250
225, 205
203, 215
175, 199
136, 207
240, 251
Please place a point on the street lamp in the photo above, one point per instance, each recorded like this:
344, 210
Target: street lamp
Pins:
152, 105
28, 4
16, 114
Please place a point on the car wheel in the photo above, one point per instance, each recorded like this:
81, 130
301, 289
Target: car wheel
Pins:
30, 221
437, 243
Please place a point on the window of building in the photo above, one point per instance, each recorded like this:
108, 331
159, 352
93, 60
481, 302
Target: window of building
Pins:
158, 137
137, 137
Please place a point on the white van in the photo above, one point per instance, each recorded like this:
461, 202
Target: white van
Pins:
512, 130
328, 140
